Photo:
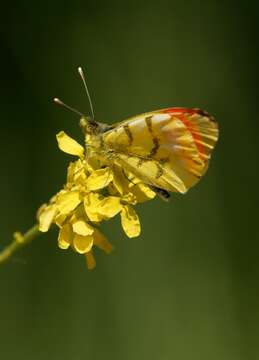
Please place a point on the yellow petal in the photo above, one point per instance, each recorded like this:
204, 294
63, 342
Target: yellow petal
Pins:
101, 241
40, 210
99, 208
69, 145
90, 260
70, 172
99, 179
130, 221
46, 218
81, 227
60, 219
93, 216
83, 244
65, 237
91, 202
120, 182
142, 192
109, 206
68, 201
80, 178
75, 170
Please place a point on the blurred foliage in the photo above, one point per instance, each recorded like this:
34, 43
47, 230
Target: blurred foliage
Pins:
188, 287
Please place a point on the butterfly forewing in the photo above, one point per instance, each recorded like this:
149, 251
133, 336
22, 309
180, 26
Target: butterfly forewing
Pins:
168, 148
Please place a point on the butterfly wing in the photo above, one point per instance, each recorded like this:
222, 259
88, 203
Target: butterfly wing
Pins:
168, 148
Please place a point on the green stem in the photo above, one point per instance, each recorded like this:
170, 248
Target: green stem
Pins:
19, 241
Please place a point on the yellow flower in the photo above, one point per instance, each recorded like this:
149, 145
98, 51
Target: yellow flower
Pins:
94, 192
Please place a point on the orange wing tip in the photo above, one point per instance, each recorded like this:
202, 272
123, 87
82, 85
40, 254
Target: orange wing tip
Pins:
182, 111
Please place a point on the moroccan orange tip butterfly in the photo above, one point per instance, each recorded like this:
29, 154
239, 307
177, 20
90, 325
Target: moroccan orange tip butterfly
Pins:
167, 149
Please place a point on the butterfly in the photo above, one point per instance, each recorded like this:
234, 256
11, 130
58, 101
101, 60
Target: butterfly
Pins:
167, 149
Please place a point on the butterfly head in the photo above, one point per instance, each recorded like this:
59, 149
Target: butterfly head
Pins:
88, 125
92, 127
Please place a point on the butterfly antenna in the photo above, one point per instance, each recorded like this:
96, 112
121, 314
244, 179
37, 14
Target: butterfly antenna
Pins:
59, 102
81, 73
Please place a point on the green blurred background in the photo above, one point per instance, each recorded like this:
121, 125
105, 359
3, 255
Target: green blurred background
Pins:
188, 288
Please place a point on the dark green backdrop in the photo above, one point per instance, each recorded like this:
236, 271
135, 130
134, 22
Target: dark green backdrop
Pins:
188, 288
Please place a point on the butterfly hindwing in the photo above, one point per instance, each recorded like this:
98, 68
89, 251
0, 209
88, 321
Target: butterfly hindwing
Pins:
168, 148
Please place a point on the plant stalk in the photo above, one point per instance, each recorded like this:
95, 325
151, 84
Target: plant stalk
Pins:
19, 240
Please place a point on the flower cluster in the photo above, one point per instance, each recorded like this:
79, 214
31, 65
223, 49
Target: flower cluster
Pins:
94, 192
